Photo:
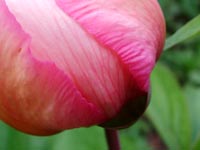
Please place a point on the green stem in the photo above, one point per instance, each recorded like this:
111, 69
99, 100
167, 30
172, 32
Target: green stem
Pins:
112, 139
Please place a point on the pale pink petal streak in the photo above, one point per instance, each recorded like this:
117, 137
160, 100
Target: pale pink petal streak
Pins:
36, 96
55, 37
73, 63
134, 29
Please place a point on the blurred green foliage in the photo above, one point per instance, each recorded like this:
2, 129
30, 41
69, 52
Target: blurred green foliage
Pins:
167, 111
184, 58
178, 12
171, 121
184, 61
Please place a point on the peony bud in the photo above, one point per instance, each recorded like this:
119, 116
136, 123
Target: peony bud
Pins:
76, 63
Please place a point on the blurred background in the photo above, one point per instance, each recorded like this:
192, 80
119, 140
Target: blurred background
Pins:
172, 120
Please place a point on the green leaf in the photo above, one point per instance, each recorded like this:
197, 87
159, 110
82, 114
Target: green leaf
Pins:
193, 98
194, 77
168, 110
77, 139
189, 30
15, 140
196, 145
80, 139
135, 137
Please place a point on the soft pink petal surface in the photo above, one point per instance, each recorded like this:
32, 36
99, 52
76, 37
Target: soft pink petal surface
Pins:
54, 75
36, 97
67, 64
134, 29
55, 37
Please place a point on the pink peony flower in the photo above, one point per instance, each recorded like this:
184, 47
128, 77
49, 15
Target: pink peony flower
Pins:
75, 63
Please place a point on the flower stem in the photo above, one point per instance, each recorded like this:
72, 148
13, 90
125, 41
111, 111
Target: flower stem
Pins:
112, 139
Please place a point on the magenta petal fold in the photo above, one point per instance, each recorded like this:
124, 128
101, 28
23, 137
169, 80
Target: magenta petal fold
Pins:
68, 64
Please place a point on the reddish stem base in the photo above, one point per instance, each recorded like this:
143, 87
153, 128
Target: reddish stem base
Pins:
112, 139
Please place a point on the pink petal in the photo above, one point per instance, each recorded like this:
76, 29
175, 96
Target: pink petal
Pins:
55, 37
77, 67
132, 28
36, 97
